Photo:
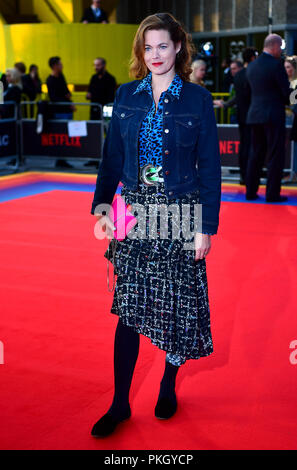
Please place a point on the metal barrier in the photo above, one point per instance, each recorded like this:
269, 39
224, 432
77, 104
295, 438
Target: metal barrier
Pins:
9, 137
229, 138
62, 137
229, 146
222, 114
20, 138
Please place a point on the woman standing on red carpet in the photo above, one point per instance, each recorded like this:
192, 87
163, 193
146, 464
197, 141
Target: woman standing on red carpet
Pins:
162, 144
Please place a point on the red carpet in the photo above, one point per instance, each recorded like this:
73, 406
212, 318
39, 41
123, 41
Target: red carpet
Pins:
58, 333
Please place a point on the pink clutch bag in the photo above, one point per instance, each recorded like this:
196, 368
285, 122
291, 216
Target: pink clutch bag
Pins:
122, 218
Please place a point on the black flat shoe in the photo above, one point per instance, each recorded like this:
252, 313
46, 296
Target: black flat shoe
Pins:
165, 408
277, 199
107, 424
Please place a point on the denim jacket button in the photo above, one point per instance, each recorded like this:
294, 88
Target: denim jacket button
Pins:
166, 152
166, 100
190, 123
170, 193
166, 131
166, 112
186, 177
123, 115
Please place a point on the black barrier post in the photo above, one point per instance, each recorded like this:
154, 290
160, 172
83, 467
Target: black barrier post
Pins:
22, 160
291, 173
9, 138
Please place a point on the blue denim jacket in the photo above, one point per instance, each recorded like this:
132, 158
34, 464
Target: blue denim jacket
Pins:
191, 157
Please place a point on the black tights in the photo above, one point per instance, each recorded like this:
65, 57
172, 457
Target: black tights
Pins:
126, 349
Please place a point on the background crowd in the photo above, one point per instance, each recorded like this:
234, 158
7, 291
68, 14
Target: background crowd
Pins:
254, 99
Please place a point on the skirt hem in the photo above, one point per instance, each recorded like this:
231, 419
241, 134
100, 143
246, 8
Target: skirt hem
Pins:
157, 343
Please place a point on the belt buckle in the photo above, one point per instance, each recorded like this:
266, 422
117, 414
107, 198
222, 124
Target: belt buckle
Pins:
148, 174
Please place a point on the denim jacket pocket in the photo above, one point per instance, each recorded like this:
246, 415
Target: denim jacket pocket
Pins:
125, 118
187, 130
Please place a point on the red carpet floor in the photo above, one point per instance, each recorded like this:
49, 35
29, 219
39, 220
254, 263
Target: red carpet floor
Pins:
58, 333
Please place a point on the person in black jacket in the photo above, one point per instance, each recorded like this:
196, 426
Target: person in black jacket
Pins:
270, 92
291, 114
58, 92
102, 87
12, 93
32, 85
243, 100
227, 76
94, 14
21, 67
236, 66
101, 90
32, 82
293, 136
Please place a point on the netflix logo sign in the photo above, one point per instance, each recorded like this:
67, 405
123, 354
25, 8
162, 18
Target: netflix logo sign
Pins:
55, 141
60, 140
229, 147
229, 142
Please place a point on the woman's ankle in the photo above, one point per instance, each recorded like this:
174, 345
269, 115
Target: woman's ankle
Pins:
119, 409
167, 390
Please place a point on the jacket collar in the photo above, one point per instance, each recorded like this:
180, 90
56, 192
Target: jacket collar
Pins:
173, 91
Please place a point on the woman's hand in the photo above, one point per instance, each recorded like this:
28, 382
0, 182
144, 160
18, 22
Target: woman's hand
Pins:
106, 225
202, 245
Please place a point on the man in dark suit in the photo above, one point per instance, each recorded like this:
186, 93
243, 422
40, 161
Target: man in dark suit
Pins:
243, 100
95, 14
235, 67
270, 92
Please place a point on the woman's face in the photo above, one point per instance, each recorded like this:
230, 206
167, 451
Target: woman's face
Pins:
159, 51
289, 69
200, 72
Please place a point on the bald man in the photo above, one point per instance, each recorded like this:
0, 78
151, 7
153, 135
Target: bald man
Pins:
270, 92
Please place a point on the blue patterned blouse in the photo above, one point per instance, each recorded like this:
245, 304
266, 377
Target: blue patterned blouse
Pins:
150, 136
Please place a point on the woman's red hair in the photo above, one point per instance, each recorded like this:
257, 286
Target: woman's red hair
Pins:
166, 21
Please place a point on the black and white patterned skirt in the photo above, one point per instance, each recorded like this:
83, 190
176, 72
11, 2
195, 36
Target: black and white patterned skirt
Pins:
161, 291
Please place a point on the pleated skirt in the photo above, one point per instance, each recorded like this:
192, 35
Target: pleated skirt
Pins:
161, 291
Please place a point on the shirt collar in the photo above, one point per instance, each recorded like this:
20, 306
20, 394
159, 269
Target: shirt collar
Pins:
173, 90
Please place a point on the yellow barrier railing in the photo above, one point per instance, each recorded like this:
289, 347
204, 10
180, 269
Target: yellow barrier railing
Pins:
222, 114
82, 113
